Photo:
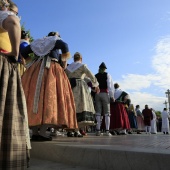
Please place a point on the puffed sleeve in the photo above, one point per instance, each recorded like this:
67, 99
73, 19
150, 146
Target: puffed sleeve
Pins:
26, 51
63, 46
91, 76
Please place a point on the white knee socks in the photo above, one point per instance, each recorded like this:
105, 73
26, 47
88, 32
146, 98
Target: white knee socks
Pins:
98, 119
107, 122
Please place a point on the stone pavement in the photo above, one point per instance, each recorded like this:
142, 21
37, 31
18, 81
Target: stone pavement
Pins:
121, 152
37, 164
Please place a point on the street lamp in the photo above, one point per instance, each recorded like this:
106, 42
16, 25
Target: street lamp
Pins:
168, 95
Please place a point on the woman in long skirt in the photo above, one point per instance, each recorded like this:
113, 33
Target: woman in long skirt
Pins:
132, 118
153, 123
81, 75
47, 89
140, 119
13, 112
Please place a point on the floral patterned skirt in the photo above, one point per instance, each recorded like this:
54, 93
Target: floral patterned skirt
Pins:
56, 105
84, 104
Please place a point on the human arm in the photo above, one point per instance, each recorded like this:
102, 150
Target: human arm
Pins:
63, 46
25, 52
91, 76
12, 26
110, 86
21, 58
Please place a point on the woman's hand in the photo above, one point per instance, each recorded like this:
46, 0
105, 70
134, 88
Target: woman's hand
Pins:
112, 99
64, 64
97, 90
23, 60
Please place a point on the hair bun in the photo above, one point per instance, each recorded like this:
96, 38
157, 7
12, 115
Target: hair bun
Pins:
53, 34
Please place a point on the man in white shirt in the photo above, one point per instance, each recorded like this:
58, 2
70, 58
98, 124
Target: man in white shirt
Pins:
102, 99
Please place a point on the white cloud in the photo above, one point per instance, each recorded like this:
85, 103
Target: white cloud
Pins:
138, 84
152, 101
161, 62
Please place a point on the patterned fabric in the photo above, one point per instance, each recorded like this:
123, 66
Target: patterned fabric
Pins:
43, 46
74, 66
12, 118
56, 105
21, 69
84, 104
82, 96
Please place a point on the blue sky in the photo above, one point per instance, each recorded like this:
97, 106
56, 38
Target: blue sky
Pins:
132, 37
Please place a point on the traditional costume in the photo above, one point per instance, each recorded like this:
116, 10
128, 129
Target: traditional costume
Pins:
119, 118
79, 76
102, 99
165, 121
153, 123
49, 96
14, 133
23, 43
147, 113
132, 117
140, 121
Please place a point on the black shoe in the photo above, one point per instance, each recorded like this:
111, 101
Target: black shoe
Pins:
43, 138
129, 132
163, 132
77, 134
139, 133
123, 133
28, 164
113, 133
34, 137
167, 133
70, 134
118, 133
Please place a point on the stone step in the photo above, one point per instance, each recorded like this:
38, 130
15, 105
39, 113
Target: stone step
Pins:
37, 164
129, 152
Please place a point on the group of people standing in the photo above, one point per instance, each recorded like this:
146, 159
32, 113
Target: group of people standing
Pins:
45, 96
147, 120
50, 93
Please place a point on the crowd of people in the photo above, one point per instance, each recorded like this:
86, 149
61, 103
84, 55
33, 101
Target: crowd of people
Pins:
44, 91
